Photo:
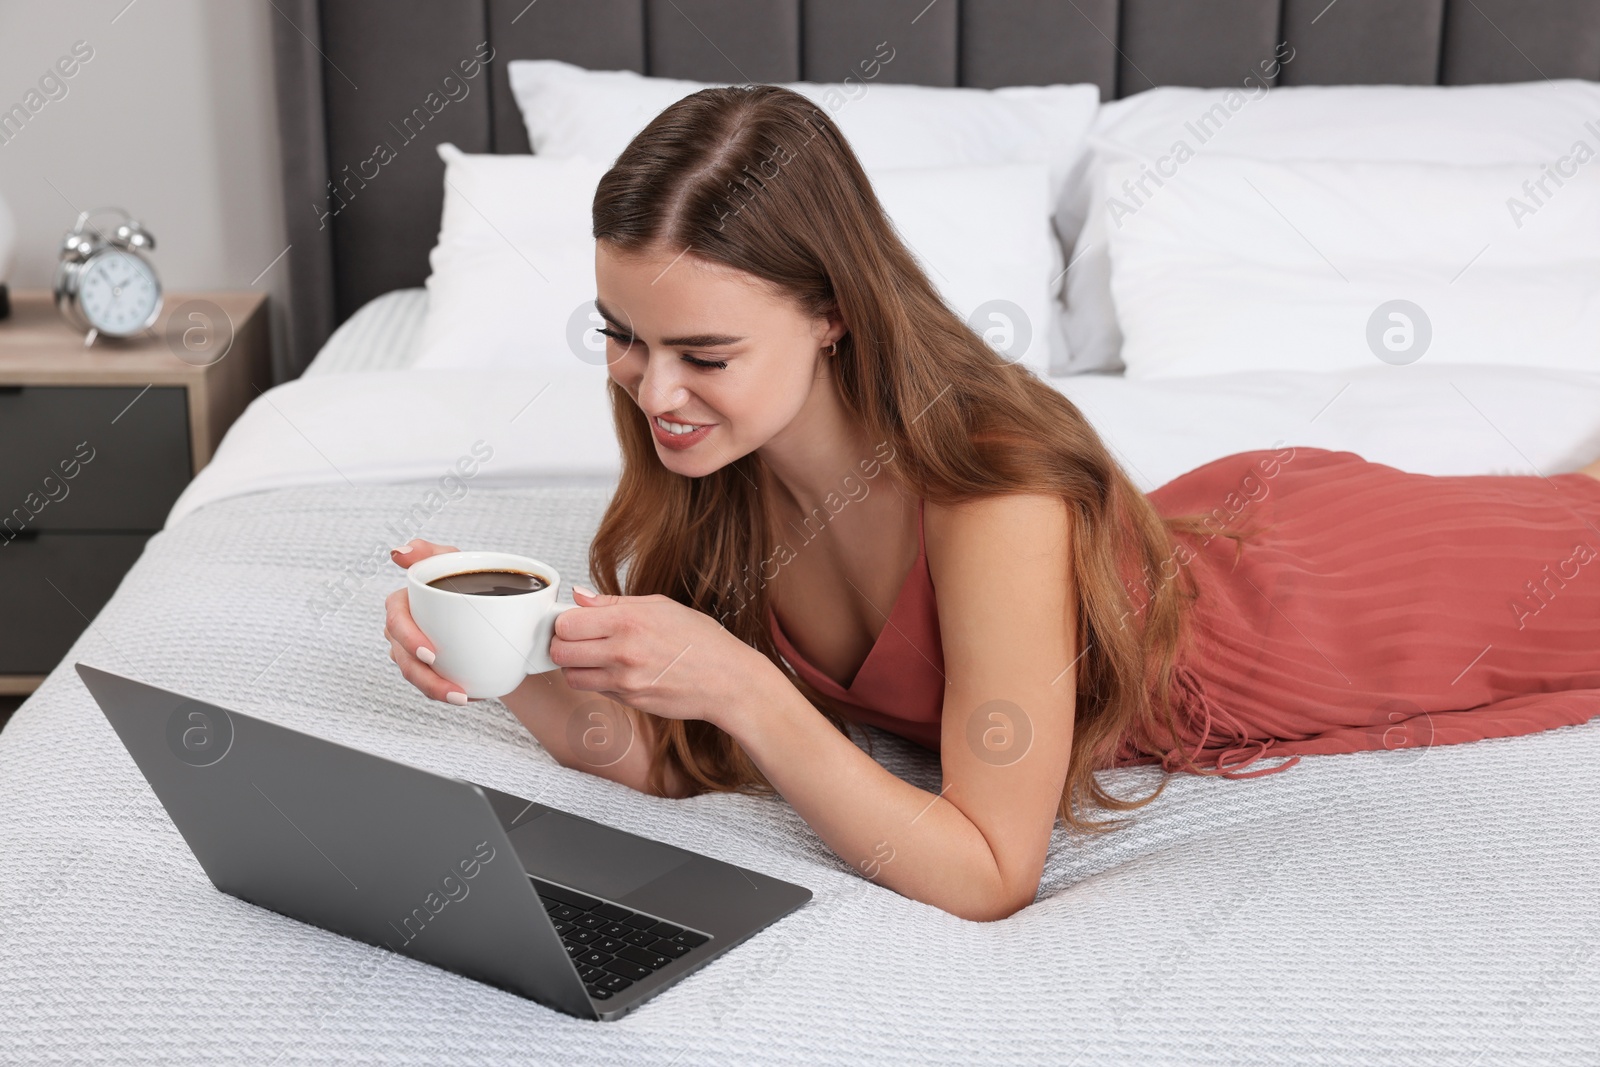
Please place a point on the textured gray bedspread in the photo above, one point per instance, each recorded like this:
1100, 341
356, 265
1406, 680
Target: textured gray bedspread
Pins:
1440, 907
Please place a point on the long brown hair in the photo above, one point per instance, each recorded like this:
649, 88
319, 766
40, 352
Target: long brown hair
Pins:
758, 178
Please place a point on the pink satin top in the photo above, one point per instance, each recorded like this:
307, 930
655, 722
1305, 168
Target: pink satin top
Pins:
900, 685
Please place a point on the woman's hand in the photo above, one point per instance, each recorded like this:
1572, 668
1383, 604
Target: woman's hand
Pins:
654, 654
408, 645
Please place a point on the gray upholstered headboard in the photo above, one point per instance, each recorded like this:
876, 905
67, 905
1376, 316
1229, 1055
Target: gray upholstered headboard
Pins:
350, 72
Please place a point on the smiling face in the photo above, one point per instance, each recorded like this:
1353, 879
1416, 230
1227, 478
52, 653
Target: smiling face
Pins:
700, 344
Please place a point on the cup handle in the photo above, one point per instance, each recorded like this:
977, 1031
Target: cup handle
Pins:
543, 631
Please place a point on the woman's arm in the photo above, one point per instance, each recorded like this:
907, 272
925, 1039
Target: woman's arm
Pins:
976, 849
1006, 617
590, 732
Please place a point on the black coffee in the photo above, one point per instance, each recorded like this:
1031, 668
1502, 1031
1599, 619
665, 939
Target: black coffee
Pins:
490, 583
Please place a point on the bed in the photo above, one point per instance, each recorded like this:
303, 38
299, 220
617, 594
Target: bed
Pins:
1420, 906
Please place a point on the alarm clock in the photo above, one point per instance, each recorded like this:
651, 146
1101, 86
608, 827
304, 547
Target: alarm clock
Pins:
104, 285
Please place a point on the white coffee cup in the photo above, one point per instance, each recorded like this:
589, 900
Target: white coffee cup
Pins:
485, 644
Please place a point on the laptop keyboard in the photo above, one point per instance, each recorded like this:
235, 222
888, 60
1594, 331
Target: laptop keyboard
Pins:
612, 946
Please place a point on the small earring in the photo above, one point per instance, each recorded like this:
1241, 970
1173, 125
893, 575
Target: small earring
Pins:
833, 349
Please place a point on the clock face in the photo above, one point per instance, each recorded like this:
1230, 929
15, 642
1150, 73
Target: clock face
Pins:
118, 293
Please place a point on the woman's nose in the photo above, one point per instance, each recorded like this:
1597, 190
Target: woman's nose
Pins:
660, 389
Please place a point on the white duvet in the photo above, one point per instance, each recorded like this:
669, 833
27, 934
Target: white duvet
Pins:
383, 428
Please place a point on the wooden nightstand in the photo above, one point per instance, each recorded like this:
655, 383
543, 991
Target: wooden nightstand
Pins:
95, 446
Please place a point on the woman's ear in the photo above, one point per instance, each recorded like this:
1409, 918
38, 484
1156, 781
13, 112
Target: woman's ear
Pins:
836, 328
827, 328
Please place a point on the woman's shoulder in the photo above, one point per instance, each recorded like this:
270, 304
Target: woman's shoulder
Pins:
994, 530
993, 510
1002, 574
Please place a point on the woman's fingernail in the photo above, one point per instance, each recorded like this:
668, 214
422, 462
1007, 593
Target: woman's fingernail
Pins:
402, 550
458, 699
425, 654
586, 592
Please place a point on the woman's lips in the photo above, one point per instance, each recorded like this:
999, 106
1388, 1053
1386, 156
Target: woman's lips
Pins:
680, 441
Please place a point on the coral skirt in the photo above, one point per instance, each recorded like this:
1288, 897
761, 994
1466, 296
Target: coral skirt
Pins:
1379, 609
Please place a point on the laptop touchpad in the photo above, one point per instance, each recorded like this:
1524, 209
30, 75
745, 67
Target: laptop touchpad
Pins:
588, 856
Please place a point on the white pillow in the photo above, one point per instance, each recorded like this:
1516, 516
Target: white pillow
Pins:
569, 110
513, 270
1246, 265
1531, 123
983, 237
513, 282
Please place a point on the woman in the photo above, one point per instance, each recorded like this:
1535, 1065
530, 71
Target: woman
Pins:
813, 443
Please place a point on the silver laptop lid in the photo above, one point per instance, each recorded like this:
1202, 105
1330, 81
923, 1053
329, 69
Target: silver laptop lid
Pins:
367, 847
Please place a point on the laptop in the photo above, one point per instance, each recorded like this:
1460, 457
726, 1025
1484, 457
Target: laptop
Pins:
574, 914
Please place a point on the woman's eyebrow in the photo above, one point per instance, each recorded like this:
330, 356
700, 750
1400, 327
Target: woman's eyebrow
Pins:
699, 340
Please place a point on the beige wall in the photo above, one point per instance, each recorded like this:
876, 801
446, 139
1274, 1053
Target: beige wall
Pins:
172, 118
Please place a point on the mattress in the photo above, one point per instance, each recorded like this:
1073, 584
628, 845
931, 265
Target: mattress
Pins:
1436, 906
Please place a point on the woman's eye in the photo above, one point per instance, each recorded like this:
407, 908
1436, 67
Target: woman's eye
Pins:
623, 339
